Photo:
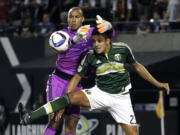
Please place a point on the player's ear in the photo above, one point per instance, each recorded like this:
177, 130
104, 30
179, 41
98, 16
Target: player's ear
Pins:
83, 19
108, 40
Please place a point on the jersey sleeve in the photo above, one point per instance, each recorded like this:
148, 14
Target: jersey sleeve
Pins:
83, 66
130, 57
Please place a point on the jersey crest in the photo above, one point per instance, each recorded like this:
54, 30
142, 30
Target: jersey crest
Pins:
117, 57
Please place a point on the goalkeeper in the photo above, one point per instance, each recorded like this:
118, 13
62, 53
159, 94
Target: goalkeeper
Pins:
66, 65
111, 91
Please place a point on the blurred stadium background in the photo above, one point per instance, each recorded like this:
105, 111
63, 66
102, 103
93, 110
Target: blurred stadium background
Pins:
150, 28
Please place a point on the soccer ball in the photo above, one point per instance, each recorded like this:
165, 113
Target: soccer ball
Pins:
59, 41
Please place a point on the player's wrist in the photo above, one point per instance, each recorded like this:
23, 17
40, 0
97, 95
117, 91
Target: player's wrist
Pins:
109, 25
81, 34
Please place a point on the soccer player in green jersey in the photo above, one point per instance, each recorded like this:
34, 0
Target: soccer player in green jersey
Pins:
111, 91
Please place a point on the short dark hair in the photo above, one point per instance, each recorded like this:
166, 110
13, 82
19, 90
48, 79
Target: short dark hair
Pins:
106, 34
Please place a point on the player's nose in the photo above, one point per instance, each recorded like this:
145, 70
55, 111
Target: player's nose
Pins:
74, 19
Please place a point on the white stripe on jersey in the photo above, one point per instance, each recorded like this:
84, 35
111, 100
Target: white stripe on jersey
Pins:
123, 44
82, 61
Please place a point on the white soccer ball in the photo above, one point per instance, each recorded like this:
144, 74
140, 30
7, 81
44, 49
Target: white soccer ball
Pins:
59, 41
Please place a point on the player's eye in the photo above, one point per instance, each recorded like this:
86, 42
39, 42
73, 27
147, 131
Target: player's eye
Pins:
93, 41
99, 40
77, 16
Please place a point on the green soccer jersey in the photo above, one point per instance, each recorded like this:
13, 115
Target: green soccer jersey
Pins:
111, 76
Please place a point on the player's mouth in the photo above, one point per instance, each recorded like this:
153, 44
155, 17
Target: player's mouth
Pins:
73, 25
97, 49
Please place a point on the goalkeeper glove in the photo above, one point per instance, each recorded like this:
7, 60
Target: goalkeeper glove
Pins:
81, 34
102, 25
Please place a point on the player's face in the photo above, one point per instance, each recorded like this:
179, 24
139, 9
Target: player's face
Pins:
101, 44
46, 18
75, 19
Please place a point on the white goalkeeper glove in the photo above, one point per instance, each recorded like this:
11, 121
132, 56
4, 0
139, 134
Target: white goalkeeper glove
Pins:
81, 34
102, 25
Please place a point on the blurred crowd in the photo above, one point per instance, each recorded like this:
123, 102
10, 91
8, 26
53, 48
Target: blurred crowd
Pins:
27, 18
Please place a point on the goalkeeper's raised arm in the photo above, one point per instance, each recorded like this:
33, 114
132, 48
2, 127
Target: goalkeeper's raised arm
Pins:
102, 26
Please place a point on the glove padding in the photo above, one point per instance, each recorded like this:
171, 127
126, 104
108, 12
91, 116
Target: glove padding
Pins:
102, 25
81, 34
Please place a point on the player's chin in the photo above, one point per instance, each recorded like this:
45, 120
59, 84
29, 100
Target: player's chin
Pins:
98, 51
74, 27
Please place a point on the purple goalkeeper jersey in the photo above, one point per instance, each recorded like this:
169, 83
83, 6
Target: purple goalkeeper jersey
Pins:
68, 61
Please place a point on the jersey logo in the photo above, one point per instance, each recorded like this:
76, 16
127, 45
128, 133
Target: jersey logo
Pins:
117, 57
98, 62
88, 92
79, 68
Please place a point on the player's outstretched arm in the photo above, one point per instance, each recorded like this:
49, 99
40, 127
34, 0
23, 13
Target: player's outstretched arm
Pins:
142, 71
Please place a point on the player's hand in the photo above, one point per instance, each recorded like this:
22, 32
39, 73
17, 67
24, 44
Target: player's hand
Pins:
102, 25
81, 34
58, 115
165, 86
